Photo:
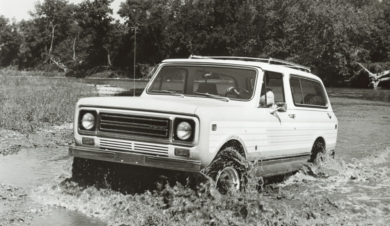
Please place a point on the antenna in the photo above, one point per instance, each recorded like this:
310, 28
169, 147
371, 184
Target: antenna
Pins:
135, 53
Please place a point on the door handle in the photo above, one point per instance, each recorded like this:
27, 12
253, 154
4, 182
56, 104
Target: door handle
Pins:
291, 115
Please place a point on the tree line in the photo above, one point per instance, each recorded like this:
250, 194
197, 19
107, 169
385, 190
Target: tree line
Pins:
333, 37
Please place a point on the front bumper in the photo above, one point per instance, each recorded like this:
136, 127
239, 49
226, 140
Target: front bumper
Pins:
135, 159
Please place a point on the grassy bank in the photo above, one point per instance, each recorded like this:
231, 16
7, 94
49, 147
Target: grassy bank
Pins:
30, 103
13, 72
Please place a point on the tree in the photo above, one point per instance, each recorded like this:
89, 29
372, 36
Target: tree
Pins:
55, 17
331, 37
151, 19
10, 41
376, 78
45, 33
98, 24
113, 41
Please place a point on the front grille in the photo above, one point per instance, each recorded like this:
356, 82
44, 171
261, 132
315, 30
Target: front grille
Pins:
134, 125
134, 147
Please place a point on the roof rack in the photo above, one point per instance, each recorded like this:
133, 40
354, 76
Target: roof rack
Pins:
265, 60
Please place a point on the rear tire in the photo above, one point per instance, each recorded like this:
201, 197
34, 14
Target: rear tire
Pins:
318, 153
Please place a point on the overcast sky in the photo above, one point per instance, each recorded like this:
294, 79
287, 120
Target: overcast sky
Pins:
18, 9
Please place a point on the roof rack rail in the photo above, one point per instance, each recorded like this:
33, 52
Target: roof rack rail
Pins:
265, 60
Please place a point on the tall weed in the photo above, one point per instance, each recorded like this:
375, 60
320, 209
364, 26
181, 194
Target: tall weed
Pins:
13, 72
30, 103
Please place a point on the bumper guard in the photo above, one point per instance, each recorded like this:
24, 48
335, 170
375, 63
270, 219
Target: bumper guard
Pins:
134, 159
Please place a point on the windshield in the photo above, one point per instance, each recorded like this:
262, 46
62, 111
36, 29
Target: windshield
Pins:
205, 81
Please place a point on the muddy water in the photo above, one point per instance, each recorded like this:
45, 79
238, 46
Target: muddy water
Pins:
359, 190
31, 169
334, 193
64, 217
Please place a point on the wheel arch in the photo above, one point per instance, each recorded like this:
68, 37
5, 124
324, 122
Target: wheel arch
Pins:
319, 139
236, 143
316, 149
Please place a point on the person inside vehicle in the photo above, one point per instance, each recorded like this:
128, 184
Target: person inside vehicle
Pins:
267, 98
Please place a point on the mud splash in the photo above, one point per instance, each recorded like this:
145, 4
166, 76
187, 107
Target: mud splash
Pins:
357, 192
334, 192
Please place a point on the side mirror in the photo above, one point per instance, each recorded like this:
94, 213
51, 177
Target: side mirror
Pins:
281, 106
206, 76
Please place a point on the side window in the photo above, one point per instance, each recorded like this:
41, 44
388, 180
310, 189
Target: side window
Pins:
296, 90
312, 93
307, 92
272, 89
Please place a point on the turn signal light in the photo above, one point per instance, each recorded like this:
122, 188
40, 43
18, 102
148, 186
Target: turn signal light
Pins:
88, 141
182, 152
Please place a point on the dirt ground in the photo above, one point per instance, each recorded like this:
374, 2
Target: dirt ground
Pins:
363, 131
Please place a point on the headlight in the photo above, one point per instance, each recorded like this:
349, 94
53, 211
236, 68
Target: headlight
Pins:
88, 121
184, 131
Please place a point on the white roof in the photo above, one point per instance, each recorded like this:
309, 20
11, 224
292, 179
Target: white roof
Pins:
288, 68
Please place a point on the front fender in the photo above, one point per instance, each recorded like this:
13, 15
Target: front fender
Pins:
227, 139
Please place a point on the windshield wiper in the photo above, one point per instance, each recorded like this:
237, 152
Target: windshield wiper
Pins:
226, 99
168, 91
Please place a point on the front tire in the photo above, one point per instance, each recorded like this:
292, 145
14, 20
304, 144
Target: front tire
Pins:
90, 172
228, 170
228, 179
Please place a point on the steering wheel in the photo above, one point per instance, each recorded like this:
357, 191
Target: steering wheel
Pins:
239, 92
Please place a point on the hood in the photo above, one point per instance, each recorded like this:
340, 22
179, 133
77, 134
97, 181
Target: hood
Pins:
171, 104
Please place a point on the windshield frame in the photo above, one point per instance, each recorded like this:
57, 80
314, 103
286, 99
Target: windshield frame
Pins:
148, 88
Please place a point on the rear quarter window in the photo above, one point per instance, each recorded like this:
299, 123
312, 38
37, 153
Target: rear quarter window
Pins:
307, 92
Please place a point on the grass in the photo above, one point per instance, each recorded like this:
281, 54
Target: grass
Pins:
12, 72
33, 102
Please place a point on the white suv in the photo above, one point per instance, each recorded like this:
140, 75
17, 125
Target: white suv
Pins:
269, 111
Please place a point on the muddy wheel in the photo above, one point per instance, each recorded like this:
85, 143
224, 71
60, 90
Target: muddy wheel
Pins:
318, 153
90, 172
228, 170
228, 179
